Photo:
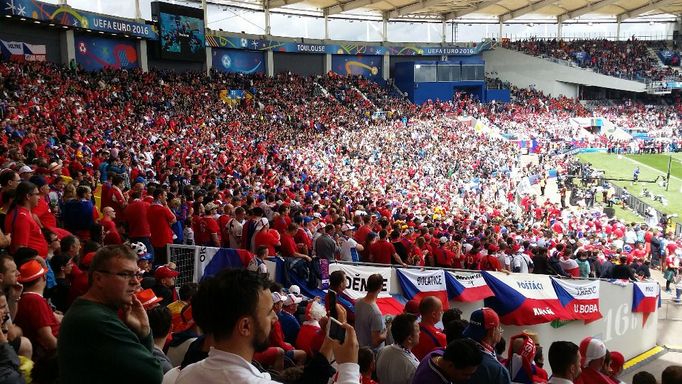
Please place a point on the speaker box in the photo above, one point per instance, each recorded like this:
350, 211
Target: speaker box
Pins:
610, 212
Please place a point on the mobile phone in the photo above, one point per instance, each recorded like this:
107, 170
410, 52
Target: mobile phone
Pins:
335, 330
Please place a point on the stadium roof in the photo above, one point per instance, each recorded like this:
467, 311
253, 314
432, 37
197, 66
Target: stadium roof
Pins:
497, 10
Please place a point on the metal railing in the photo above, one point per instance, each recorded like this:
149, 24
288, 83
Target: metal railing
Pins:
640, 206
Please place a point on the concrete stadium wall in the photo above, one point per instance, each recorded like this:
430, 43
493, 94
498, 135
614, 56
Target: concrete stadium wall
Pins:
30, 33
555, 79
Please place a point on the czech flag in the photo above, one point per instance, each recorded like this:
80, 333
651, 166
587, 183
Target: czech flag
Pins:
418, 284
645, 298
467, 286
523, 299
579, 298
217, 259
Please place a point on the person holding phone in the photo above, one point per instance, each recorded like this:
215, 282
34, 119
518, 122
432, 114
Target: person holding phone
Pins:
337, 284
9, 361
241, 329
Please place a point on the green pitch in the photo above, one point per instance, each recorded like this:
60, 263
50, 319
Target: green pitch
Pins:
650, 167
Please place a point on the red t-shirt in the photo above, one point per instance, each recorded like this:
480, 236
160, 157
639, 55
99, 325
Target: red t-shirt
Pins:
207, 226
34, 313
159, 218
111, 235
44, 213
136, 216
382, 252
430, 338
25, 231
288, 245
268, 239
310, 339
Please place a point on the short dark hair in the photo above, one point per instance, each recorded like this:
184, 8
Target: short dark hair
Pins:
336, 278
188, 290
67, 242
157, 192
240, 288
375, 282
643, 377
365, 359
463, 353
402, 327
24, 254
452, 314
105, 254
672, 375
6, 176
454, 329
159, 321
57, 262
561, 355
3, 258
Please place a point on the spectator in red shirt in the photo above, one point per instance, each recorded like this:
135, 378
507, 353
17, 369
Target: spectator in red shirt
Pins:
430, 337
208, 231
383, 252
138, 226
289, 248
42, 211
111, 235
19, 221
34, 315
160, 219
266, 237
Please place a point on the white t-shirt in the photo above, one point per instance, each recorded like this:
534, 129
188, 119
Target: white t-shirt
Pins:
349, 250
234, 229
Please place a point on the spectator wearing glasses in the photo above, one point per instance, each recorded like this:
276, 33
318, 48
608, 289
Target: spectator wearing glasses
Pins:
94, 337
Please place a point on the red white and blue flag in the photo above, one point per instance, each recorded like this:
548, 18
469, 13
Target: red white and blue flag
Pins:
645, 298
467, 286
579, 298
417, 284
522, 299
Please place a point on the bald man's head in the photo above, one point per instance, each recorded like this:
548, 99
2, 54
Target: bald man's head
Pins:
431, 309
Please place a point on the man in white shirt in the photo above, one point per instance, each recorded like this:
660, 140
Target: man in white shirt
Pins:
396, 363
236, 309
564, 359
349, 247
234, 228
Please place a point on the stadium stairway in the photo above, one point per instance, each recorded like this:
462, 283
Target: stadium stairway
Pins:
364, 96
652, 54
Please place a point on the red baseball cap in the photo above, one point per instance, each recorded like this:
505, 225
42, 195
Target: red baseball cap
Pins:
148, 298
162, 272
480, 322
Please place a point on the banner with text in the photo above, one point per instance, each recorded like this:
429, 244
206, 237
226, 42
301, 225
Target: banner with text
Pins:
645, 298
522, 299
579, 298
234, 42
65, 15
418, 284
467, 286
19, 51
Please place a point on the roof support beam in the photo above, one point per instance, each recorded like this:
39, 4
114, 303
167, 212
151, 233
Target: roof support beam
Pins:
478, 7
652, 6
589, 8
349, 6
281, 3
413, 7
527, 9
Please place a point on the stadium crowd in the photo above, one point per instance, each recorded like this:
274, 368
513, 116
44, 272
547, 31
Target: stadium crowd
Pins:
102, 170
628, 59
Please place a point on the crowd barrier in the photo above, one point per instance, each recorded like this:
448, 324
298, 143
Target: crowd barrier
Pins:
641, 207
623, 330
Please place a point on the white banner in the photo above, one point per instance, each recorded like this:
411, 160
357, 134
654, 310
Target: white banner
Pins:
356, 279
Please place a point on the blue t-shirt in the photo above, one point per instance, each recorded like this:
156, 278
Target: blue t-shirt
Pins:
290, 326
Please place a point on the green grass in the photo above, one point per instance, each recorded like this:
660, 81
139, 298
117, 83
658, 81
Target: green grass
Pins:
624, 166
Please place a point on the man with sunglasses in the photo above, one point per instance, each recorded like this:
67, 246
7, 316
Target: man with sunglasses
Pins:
95, 343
